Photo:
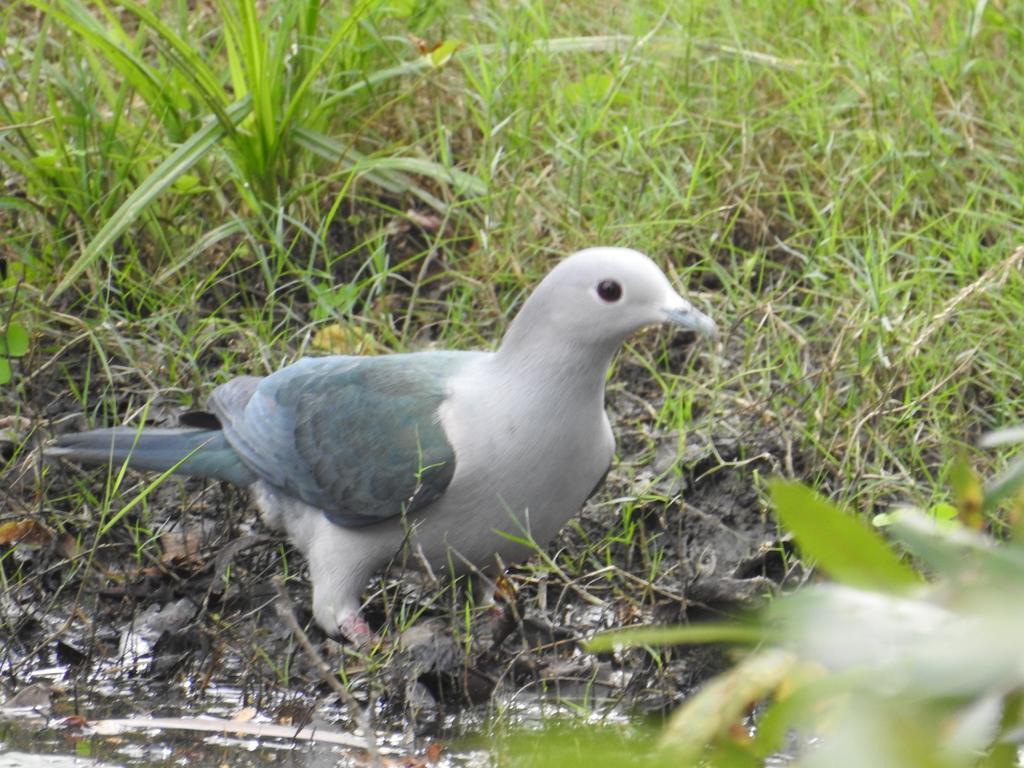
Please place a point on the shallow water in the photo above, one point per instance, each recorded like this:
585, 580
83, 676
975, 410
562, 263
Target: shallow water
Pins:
30, 739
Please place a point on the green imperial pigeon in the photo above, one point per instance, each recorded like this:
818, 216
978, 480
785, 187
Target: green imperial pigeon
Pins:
442, 451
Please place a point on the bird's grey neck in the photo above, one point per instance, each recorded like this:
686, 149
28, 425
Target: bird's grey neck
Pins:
576, 367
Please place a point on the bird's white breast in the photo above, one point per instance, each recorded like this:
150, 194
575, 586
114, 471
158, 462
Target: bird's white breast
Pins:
525, 461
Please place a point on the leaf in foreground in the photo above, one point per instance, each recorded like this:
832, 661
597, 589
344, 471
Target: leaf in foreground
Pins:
719, 705
844, 546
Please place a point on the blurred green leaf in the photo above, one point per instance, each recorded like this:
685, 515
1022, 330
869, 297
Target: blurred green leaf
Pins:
14, 342
586, 747
5, 371
845, 547
694, 634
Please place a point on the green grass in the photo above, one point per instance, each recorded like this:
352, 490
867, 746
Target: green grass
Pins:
826, 181
839, 185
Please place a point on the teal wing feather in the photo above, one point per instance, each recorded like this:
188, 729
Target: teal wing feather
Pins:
358, 437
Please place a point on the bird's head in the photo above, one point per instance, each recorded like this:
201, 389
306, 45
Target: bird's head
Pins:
602, 295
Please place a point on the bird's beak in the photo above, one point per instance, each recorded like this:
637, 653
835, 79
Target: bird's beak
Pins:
680, 312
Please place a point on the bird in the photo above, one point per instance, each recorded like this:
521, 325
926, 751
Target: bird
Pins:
465, 457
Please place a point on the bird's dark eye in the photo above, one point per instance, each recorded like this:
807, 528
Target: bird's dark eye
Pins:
609, 290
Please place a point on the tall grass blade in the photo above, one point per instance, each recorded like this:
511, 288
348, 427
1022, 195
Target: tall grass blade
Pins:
388, 172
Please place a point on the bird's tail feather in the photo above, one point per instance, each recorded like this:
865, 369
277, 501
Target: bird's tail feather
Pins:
186, 451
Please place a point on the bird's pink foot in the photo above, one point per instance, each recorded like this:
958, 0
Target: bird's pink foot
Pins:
356, 630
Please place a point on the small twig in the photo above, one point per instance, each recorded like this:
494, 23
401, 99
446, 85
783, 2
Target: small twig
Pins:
287, 612
421, 557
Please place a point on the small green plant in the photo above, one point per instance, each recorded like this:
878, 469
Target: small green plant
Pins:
13, 344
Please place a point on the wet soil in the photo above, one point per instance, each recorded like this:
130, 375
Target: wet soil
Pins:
174, 611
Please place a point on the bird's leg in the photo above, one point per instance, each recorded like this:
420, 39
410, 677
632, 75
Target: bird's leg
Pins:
335, 570
338, 576
336, 600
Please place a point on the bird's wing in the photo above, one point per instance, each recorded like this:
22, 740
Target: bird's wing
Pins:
358, 437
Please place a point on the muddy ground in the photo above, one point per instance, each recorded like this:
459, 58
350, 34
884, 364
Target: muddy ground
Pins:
174, 610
